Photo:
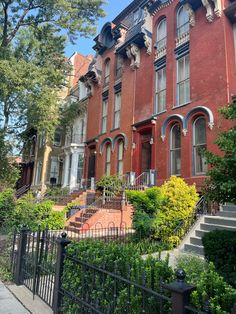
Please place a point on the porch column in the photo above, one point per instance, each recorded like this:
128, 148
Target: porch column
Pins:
74, 169
66, 170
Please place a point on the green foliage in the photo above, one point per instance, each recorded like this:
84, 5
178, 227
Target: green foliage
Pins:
7, 204
9, 172
35, 215
220, 248
147, 204
33, 67
158, 211
5, 259
221, 184
212, 288
112, 183
126, 261
193, 266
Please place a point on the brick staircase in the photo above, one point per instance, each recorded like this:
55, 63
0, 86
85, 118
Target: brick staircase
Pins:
224, 220
99, 213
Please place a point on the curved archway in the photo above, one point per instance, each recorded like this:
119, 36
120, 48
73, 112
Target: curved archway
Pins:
106, 140
201, 110
174, 117
120, 136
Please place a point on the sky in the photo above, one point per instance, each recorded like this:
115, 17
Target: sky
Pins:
84, 45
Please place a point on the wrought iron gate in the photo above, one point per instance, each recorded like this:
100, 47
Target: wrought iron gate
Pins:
38, 264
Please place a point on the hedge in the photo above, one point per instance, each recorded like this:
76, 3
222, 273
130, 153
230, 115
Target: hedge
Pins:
220, 248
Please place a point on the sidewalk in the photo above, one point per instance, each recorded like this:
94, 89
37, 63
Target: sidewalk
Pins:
9, 304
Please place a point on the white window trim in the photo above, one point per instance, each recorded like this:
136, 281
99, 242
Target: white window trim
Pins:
117, 112
104, 116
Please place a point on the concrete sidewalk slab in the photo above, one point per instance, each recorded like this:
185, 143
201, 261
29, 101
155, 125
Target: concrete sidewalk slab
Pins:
35, 306
9, 304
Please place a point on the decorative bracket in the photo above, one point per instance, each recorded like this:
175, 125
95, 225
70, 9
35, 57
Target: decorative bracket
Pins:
185, 131
209, 14
133, 53
148, 44
191, 14
218, 8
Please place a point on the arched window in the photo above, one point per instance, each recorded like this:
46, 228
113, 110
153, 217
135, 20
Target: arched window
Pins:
120, 158
182, 21
175, 150
107, 72
161, 34
108, 160
199, 144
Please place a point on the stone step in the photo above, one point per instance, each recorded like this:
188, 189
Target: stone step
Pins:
196, 249
228, 214
229, 208
220, 221
196, 241
210, 227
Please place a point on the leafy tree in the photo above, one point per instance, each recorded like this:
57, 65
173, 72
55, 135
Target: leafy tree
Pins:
221, 184
8, 170
32, 64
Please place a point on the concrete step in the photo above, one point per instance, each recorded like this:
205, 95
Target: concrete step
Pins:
196, 249
210, 227
227, 214
229, 208
196, 241
200, 233
222, 221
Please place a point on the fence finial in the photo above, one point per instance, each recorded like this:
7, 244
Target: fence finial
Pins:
180, 275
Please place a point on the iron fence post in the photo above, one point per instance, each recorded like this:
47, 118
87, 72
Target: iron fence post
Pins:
62, 242
18, 276
180, 292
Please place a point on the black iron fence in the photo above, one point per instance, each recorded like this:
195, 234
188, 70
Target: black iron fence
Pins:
39, 260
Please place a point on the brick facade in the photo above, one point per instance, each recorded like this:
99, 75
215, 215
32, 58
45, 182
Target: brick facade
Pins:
210, 46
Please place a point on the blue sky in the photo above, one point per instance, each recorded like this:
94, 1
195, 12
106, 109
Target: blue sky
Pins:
84, 45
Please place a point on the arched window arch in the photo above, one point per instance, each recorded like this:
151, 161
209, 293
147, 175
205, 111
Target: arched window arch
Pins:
107, 72
175, 150
120, 158
199, 144
161, 34
182, 21
108, 160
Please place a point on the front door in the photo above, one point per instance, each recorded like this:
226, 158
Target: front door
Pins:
91, 165
146, 156
146, 152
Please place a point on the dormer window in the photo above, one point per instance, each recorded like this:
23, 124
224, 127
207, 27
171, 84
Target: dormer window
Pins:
182, 21
161, 34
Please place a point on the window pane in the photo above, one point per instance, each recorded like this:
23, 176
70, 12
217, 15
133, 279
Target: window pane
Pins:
161, 34
200, 160
182, 21
200, 131
176, 162
161, 90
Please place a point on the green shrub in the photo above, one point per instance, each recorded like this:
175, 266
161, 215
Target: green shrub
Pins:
211, 288
123, 259
7, 204
193, 266
57, 193
220, 248
158, 211
113, 183
35, 215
